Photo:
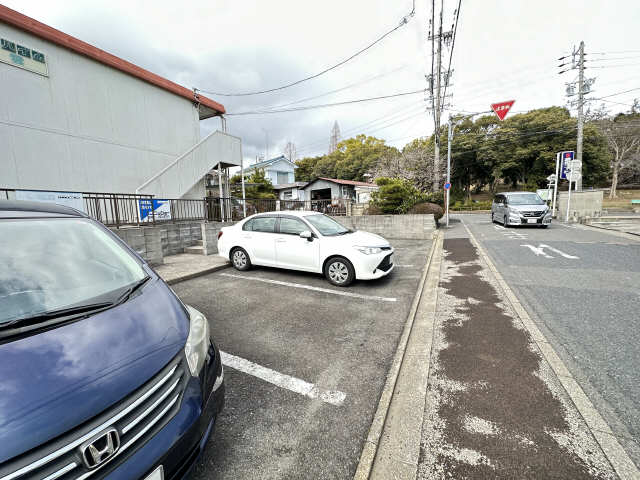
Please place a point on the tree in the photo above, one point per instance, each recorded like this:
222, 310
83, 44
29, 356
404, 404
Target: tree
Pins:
395, 195
622, 134
256, 185
304, 172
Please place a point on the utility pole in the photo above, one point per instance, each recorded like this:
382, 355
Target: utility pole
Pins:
449, 139
437, 111
584, 88
580, 114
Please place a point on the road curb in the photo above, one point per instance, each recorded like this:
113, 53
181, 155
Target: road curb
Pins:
617, 233
199, 273
373, 440
613, 451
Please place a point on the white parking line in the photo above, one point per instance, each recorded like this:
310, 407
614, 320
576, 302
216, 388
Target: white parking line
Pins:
404, 266
308, 287
294, 384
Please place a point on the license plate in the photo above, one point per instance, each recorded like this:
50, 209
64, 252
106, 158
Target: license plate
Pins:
532, 220
158, 474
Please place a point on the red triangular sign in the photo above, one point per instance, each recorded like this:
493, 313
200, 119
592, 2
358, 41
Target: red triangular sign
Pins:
501, 109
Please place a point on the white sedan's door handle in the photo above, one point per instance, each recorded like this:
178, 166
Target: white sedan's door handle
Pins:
281, 240
246, 236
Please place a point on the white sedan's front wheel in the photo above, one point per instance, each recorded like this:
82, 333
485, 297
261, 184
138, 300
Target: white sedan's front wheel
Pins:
339, 271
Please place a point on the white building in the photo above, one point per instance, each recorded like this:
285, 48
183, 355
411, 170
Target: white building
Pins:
290, 191
75, 118
337, 189
279, 170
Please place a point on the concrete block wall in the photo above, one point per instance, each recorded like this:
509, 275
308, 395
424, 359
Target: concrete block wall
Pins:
209, 232
177, 236
154, 242
144, 240
413, 227
583, 204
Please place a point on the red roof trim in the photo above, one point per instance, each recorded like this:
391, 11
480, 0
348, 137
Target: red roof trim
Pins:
52, 35
347, 182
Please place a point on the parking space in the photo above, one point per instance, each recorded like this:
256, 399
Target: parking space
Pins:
305, 365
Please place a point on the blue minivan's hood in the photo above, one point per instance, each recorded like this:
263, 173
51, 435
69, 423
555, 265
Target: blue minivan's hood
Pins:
53, 381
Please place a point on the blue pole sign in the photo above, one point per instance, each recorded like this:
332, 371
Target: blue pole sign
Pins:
567, 158
447, 186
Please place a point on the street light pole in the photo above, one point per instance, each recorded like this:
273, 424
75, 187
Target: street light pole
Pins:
449, 138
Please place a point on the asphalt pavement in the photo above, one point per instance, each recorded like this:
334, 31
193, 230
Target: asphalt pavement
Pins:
582, 288
306, 364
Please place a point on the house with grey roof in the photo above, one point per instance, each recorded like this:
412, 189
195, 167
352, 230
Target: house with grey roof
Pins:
279, 170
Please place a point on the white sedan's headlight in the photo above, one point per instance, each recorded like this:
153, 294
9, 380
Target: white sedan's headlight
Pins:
197, 342
368, 250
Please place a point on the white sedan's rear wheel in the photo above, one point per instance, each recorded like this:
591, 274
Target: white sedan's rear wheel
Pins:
240, 259
339, 271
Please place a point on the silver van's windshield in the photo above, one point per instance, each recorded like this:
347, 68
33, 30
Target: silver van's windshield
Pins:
525, 199
52, 264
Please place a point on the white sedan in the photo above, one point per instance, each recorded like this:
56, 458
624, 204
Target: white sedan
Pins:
307, 241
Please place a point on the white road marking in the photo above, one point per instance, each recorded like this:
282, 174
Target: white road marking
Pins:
288, 382
404, 266
539, 251
308, 287
559, 252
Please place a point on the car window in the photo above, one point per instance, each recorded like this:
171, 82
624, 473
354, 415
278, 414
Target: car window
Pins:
292, 226
326, 226
248, 225
525, 199
264, 224
497, 199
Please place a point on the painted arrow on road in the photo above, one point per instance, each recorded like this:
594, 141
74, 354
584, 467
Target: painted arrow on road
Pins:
539, 251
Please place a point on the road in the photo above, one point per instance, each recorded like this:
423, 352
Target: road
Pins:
581, 286
305, 365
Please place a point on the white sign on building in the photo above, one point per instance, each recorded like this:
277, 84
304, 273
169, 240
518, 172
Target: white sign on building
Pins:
68, 199
22, 56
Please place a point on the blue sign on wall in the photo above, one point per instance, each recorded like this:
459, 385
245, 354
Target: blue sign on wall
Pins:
161, 209
567, 158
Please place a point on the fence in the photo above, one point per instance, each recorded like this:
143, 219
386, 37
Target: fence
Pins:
122, 209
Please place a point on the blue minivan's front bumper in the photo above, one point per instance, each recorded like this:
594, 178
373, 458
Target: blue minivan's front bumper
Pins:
180, 442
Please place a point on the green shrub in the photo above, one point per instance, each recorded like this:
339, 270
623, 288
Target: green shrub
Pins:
395, 195
426, 208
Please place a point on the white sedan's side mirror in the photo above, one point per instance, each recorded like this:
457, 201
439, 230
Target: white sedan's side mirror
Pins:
306, 234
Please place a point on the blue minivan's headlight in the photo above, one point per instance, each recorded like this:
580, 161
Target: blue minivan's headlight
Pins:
197, 342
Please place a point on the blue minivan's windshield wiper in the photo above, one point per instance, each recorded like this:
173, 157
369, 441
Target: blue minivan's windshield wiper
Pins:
69, 313
58, 313
124, 296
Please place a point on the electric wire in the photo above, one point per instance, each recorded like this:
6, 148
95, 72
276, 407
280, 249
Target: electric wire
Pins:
402, 23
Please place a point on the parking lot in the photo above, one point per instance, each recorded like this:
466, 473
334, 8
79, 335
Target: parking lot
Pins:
305, 363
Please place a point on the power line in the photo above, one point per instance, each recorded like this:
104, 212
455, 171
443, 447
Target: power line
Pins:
359, 128
311, 107
403, 22
355, 84
453, 44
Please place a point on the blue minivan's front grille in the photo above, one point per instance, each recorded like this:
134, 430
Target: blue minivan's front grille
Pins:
94, 448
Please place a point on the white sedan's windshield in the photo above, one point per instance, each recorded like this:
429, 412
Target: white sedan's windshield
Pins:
326, 226
49, 264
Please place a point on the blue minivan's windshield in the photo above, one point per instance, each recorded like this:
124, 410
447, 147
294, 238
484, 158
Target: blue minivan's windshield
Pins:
325, 225
51, 264
525, 199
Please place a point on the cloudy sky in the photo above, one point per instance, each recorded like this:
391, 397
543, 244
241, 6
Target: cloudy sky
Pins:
505, 49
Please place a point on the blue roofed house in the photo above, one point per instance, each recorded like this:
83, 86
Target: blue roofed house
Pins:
279, 170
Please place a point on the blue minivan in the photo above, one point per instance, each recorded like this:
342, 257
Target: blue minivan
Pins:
104, 372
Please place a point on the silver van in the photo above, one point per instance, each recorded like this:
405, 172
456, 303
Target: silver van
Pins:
520, 208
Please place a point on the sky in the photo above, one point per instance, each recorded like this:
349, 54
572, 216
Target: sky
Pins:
504, 50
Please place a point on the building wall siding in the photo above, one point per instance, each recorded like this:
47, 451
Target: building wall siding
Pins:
86, 127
